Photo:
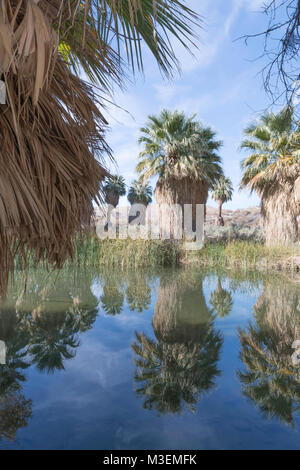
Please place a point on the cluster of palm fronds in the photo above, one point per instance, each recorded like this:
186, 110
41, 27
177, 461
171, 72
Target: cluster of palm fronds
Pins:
139, 193
274, 143
51, 125
177, 146
51, 130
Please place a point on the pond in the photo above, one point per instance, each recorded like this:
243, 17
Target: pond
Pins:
180, 359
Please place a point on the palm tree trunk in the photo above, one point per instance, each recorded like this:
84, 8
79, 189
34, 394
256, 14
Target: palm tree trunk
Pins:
134, 214
184, 191
220, 208
220, 220
281, 215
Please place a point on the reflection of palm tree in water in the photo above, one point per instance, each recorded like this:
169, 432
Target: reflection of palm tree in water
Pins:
15, 409
54, 312
112, 299
178, 368
221, 301
138, 292
39, 323
270, 379
53, 340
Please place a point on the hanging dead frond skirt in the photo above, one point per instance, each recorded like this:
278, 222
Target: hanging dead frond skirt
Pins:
51, 138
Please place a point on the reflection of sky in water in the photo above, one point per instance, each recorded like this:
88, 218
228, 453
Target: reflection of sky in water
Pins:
92, 404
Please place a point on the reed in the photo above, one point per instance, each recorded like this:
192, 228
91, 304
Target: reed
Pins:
248, 255
122, 254
126, 253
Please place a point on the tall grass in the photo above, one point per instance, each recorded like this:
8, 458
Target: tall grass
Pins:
247, 254
120, 254
126, 253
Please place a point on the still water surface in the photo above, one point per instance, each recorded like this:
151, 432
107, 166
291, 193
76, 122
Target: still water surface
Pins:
181, 359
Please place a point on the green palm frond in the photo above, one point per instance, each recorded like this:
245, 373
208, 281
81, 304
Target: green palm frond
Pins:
98, 32
274, 144
140, 192
222, 190
116, 184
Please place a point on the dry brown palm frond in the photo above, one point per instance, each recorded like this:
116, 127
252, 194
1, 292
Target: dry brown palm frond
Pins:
51, 128
51, 132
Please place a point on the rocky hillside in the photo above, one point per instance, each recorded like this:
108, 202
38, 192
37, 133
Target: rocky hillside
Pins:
243, 217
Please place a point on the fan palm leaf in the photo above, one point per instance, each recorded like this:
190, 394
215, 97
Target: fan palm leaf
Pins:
178, 146
274, 145
109, 27
140, 193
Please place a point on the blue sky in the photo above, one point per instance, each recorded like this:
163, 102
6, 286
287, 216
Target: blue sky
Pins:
222, 84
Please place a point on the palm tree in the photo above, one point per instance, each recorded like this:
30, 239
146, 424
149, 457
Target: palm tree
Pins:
139, 193
114, 189
51, 126
222, 192
183, 154
272, 170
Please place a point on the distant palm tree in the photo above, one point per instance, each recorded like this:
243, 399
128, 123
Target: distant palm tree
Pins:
183, 154
222, 192
114, 188
139, 193
272, 170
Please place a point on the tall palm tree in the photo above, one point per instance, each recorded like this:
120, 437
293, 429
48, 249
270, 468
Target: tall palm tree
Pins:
222, 192
139, 193
114, 188
272, 170
54, 150
184, 156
